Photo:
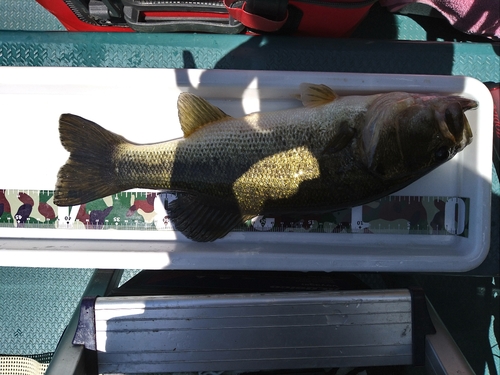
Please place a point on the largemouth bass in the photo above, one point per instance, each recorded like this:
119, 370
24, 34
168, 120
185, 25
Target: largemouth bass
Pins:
332, 153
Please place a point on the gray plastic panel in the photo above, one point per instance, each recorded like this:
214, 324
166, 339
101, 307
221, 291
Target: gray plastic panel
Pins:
253, 331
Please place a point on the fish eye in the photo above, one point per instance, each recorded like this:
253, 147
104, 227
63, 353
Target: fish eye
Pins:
441, 153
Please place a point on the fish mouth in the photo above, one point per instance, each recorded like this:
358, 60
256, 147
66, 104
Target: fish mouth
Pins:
453, 123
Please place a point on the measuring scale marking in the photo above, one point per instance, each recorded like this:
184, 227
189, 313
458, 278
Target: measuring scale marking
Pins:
146, 210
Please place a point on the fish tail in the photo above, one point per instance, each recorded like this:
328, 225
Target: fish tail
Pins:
89, 173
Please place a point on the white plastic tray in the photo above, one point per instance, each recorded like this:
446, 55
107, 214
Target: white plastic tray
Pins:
140, 104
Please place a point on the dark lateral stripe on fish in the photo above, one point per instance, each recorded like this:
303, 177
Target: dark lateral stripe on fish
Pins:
88, 173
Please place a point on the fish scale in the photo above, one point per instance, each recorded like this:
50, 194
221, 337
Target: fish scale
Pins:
146, 211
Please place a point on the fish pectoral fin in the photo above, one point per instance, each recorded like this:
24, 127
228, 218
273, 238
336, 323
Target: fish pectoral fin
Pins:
203, 221
342, 138
195, 112
313, 95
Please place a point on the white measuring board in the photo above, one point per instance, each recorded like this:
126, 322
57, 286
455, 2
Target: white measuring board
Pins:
131, 230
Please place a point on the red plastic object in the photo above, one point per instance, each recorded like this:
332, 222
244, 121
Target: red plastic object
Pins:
329, 18
71, 22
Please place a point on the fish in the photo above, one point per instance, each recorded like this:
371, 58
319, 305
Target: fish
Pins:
333, 152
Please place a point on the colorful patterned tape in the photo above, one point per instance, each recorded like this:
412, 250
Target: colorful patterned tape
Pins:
147, 211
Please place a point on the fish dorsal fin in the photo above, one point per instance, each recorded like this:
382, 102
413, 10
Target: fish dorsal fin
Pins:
195, 112
313, 95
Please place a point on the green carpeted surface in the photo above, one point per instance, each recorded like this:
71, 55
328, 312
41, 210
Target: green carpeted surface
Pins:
36, 303
27, 15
